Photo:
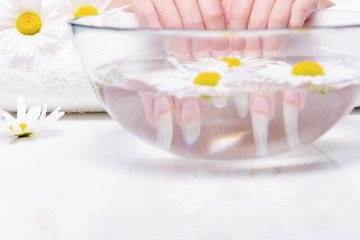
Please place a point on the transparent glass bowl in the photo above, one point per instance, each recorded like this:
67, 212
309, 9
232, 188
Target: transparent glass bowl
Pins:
222, 94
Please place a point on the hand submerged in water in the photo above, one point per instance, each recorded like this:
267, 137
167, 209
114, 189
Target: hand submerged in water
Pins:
220, 15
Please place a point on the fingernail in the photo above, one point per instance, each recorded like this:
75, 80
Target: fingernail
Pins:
163, 122
161, 106
241, 101
219, 102
164, 131
190, 121
260, 126
292, 98
191, 132
261, 106
190, 111
290, 118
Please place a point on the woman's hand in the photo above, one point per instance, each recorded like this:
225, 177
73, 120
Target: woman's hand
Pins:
260, 14
221, 14
180, 14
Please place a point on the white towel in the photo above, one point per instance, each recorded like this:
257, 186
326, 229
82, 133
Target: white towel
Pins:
56, 76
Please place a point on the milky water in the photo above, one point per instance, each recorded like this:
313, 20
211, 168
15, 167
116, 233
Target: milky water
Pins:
224, 126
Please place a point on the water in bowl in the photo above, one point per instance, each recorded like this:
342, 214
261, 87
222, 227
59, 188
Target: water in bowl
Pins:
226, 126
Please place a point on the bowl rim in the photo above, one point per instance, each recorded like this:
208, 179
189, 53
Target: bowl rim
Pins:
74, 23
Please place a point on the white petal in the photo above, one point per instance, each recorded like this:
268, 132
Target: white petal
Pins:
25, 46
104, 5
6, 23
48, 10
11, 41
16, 4
56, 114
53, 117
33, 5
21, 109
17, 128
43, 112
9, 119
33, 114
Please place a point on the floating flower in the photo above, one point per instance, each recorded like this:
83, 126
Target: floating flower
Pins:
233, 62
207, 79
28, 123
80, 8
27, 25
309, 73
307, 68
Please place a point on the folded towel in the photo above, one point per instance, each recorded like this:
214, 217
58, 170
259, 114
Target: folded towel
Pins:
56, 76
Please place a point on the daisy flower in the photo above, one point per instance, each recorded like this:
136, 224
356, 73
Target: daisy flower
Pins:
310, 73
80, 8
208, 76
27, 25
28, 123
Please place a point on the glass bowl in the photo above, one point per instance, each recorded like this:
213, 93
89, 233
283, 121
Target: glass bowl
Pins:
222, 94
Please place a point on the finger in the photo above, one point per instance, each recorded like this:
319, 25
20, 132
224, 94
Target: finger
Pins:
295, 98
200, 47
263, 104
280, 14
212, 14
300, 11
188, 114
237, 46
226, 5
240, 13
155, 106
181, 48
214, 19
260, 14
219, 47
190, 14
158, 111
293, 102
192, 19
262, 107
168, 14
259, 17
253, 47
146, 12
325, 4
279, 18
239, 18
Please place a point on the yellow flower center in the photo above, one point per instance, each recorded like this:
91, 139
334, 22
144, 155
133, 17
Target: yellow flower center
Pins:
22, 126
233, 62
207, 79
24, 134
307, 69
29, 23
86, 11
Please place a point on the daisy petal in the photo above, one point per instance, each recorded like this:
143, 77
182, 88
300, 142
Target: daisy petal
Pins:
33, 114
21, 109
9, 119
43, 112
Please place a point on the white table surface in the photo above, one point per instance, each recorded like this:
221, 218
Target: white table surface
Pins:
86, 178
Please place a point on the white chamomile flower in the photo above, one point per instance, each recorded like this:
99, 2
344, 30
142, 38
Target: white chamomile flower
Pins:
210, 76
27, 25
309, 73
28, 123
80, 8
